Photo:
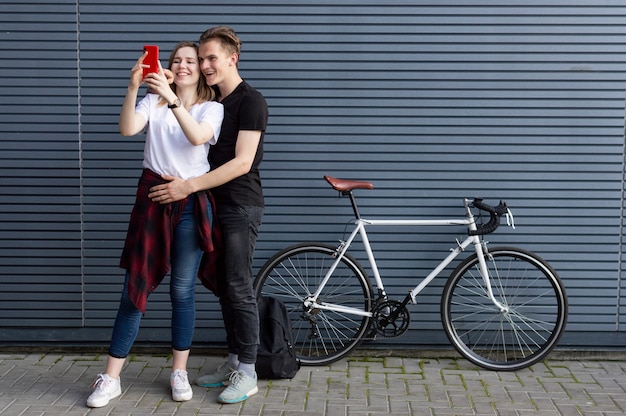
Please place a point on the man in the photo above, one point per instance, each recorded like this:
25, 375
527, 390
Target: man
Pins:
235, 183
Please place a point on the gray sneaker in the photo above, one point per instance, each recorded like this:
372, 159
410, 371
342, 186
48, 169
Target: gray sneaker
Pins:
219, 378
181, 390
105, 389
241, 387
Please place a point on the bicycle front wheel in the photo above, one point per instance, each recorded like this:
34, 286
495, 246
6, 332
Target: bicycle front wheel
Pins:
518, 335
322, 336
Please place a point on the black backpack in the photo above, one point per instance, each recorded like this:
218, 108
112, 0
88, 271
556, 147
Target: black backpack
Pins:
276, 357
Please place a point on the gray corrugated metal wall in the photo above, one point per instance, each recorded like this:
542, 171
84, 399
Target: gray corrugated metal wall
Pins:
431, 101
40, 214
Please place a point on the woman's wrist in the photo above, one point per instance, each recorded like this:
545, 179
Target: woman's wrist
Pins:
174, 103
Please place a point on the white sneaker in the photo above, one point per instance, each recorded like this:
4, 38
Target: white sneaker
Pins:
241, 387
181, 389
105, 389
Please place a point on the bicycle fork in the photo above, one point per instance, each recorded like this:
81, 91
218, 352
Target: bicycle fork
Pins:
482, 253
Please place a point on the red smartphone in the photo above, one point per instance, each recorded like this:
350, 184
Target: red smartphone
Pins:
151, 59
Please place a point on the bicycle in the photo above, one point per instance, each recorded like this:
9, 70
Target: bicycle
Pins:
502, 308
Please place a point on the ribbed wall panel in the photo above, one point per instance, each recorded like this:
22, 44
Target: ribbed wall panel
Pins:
431, 101
40, 218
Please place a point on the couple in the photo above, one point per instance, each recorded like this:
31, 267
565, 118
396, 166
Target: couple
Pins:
171, 221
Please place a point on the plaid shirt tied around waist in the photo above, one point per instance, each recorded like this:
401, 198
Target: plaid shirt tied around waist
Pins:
146, 254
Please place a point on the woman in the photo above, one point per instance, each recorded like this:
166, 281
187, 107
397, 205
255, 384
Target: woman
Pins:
182, 120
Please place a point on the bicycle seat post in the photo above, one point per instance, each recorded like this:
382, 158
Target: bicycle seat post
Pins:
353, 202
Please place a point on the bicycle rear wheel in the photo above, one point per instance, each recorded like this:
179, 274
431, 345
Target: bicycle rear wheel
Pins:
521, 335
294, 274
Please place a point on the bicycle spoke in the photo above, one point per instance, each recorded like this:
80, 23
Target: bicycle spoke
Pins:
294, 275
535, 309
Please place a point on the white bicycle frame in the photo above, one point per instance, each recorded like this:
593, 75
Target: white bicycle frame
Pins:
361, 224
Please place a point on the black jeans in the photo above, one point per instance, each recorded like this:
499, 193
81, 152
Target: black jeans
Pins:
240, 229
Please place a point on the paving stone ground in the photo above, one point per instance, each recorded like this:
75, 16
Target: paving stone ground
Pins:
57, 384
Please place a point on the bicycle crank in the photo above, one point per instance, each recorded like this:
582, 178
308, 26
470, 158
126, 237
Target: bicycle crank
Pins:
391, 318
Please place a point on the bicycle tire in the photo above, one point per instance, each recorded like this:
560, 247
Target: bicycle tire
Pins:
504, 340
294, 273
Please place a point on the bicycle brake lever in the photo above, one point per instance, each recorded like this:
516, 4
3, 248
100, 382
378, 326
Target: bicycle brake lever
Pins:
510, 221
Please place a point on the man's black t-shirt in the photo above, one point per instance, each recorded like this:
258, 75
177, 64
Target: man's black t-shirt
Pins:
244, 109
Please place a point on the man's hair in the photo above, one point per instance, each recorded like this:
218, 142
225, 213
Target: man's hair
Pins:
226, 35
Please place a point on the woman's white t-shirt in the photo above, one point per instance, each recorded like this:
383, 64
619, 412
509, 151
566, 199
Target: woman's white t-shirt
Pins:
167, 150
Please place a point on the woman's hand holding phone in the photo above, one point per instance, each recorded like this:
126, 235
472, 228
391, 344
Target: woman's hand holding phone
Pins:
149, 71
152, 65
159, 83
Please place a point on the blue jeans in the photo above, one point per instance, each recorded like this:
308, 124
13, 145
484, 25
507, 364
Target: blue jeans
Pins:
185, 260
239, 225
